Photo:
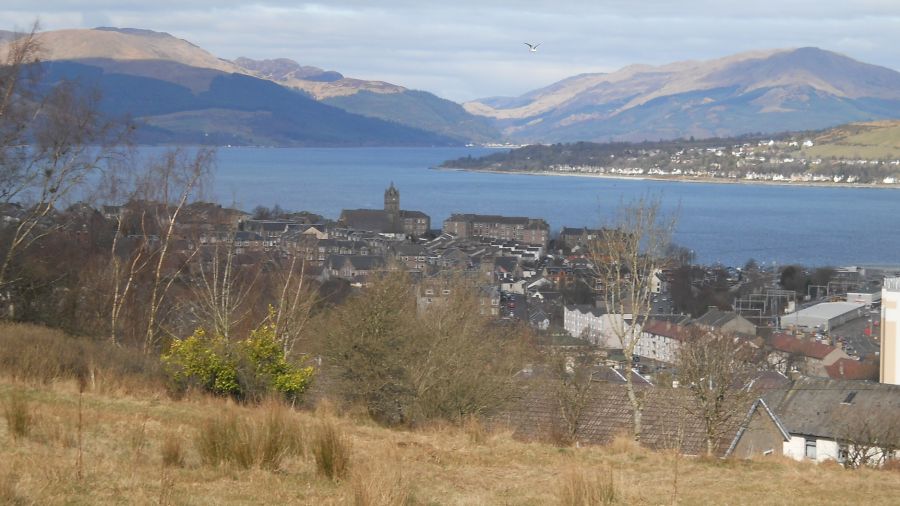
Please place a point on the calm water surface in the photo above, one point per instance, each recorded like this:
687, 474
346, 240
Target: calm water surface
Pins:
726, 223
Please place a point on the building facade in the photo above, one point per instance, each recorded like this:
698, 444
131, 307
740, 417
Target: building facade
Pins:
534, 231
390, 220
890, 332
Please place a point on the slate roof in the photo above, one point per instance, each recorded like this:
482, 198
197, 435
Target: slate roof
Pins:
666, 422
665, 329
375, 220
359, 262
410, 250
716, 318
507, 264
412, 214
820, 407
247, 236
789, 344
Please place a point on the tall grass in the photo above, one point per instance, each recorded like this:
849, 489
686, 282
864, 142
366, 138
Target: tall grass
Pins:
579, 487
380, 484
172, 451
331, 449
18, 414
8, 493
36, 354
262, 441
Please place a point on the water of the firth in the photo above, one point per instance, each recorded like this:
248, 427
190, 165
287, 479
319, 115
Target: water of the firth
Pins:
727, 223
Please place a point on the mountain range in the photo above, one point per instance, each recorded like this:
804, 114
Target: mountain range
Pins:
178, 92
763, 91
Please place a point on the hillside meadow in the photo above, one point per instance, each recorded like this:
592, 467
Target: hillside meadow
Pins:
112, 435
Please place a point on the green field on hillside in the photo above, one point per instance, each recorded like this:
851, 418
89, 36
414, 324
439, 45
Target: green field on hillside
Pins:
867, 141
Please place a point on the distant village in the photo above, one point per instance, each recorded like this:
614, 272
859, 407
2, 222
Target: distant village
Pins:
768, 160
832, 349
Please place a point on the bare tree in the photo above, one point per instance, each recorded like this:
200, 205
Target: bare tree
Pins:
222, 289
51, 143
294, 306
575, 386
168, 186
625, 258
868, 441
716, 369
124, 274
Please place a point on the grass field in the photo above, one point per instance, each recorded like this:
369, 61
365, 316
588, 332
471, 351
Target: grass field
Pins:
870, 141
122, 445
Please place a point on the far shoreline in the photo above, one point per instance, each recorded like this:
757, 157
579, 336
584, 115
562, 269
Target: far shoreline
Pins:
816, 184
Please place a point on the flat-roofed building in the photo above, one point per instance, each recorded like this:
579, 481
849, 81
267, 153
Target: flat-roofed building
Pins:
824, 316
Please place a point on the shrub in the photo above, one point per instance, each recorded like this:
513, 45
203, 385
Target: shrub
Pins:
202, 361
268, 364
251, 368
19, 417
331, 450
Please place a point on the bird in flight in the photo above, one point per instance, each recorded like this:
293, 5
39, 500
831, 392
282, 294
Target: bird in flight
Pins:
532, 47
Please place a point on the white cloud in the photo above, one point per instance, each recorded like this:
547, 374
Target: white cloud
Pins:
467, 49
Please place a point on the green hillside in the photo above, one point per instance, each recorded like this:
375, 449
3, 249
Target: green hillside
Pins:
868, 141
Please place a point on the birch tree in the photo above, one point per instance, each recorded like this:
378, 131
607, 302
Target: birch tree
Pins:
625, 257
169, 185
52, 141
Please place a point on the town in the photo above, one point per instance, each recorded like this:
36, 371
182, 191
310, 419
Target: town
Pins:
785, 160
826, 344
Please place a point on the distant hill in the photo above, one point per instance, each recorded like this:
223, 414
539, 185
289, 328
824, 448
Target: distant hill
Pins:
377, 99
767, 91
212, 107
414, 118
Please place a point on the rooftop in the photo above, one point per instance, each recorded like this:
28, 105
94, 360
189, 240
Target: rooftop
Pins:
826, 310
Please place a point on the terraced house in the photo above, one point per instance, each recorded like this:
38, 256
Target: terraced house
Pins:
533, 231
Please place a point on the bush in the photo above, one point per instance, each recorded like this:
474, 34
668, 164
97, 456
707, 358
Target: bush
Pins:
331, 450
251, 368
408, 366
17, 412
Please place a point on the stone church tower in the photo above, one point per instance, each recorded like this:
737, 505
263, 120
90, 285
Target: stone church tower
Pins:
392, 208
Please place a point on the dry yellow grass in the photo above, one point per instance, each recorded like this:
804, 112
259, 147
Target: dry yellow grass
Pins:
125, 441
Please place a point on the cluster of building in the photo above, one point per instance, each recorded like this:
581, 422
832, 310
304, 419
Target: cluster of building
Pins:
767, 160
815, 403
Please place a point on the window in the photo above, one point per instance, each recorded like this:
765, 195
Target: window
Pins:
429, 292
811, 449
445, 292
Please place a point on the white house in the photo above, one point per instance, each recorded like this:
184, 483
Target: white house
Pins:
852, 422
660, 340
594, 325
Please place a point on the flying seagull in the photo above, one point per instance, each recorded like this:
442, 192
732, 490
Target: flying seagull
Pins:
532, 47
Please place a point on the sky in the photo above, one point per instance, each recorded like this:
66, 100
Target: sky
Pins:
468, 49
